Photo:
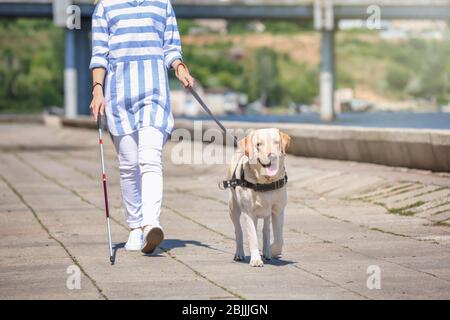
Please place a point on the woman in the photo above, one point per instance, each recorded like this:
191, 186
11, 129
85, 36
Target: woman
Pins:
134, 43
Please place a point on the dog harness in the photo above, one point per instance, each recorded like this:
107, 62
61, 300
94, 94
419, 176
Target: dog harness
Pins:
258, 187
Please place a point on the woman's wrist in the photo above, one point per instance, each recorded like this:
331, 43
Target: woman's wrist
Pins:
97, 91
176, 63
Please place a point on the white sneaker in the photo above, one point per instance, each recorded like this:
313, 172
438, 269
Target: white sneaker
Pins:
134, 242
153, 236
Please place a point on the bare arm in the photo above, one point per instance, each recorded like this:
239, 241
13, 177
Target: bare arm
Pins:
98, 98
99, 60
172, 49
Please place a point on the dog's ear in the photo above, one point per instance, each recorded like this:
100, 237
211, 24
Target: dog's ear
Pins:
246, 144
285, 142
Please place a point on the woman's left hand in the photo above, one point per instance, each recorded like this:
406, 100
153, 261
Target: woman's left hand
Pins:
182, 73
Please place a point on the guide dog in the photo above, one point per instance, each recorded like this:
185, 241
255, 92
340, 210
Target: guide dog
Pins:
257, 179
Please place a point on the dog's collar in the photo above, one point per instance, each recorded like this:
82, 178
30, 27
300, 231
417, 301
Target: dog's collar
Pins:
258, 187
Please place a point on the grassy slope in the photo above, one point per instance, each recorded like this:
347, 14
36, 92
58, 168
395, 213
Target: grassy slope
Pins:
378, 70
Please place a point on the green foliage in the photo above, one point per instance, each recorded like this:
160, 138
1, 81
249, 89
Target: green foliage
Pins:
262, 79
263, 74
184, 25
300, 84
413, 68
212, 67
288, 27
345, 79
421, 69
398, 77
32, 57
274, 27
31, 65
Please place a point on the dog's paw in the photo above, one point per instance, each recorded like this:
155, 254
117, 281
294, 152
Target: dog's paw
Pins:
256, 262
239, 256
276, 250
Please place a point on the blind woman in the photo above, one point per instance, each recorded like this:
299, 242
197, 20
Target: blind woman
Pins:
135, 43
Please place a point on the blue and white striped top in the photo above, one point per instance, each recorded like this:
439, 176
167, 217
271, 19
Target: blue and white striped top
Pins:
136, 41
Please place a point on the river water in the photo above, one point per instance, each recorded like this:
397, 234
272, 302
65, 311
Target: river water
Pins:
426, 120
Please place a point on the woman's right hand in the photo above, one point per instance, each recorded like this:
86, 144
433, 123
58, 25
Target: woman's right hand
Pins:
98, 102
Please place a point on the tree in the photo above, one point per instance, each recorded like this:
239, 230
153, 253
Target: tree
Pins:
262, 77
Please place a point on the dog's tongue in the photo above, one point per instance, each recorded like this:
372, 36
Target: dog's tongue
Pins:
271, 170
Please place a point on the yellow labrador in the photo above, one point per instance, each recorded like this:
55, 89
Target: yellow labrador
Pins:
259, 161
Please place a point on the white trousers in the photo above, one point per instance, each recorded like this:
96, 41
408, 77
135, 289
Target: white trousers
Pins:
141, 179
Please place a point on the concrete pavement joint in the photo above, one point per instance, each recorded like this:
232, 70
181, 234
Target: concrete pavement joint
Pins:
201, 196
329, 281
423, 194
440, 205
44, 227
385, 232
196, 222
398, 192
370, 256
198, 273
43, 174
368, 191
57, 159
370, 228
367, 227
405, 211
404, 214
381, 192
442, 223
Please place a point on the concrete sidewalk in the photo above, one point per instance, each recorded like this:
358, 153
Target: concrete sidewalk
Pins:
342, 218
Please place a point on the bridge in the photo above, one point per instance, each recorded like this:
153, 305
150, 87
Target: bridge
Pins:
325, 14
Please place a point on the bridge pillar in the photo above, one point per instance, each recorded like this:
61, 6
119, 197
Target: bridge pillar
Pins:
324, 22
77, 77
83, 57
70, 75
327, 77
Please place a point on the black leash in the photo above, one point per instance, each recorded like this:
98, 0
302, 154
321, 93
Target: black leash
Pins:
234, 182
205, 107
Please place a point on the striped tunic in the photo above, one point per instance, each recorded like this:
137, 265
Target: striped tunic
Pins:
135, 41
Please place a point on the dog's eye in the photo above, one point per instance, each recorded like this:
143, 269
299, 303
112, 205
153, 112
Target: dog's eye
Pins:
259, 144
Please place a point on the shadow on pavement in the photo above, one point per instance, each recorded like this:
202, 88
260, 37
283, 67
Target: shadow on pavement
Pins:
41, 148
170, 244
116, 247
278, 262
272, 262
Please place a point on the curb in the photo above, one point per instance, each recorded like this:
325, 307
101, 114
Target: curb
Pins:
409, 148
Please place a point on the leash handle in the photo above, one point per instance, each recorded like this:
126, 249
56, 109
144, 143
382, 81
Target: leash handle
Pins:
208, 111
